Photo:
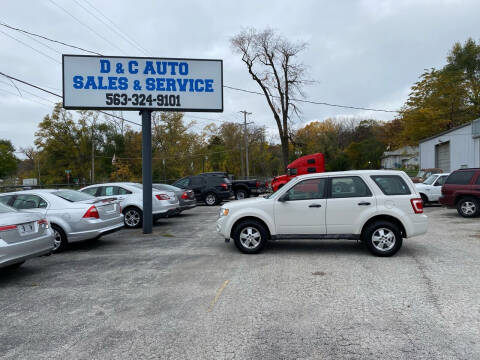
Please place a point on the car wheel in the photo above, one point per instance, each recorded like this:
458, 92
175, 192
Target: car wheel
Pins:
250, 236
60, 241
382, 238
468, 207
133, 217
241, 194
424, 199
211, 199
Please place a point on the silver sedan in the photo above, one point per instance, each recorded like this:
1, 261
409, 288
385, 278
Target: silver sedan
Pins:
22, 236
74, 216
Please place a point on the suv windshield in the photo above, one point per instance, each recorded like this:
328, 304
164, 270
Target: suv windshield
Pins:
72, 195
430, 180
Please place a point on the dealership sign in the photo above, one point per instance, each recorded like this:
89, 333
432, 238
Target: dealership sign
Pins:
133, 83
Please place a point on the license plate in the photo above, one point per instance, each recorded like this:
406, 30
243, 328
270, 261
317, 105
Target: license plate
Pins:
25, 229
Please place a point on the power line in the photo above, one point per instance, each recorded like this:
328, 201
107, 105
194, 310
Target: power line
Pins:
48, 39
87, 26
60, 96
31, 47
32, 100
313, 102
225, 86
114, 28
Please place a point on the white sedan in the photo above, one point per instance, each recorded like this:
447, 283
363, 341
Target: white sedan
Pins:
164, 203
431, 189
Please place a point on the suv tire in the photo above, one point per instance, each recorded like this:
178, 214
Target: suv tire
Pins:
211, 199
133, 217
60, 239
382, 238
468, 207
241, 194
250, 236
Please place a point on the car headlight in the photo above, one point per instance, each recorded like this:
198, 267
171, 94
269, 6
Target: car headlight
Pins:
223, 212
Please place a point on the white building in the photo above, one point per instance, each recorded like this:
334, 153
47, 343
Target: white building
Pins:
453, 149
405, 157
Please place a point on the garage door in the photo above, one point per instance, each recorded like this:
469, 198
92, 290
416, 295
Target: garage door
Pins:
442, 156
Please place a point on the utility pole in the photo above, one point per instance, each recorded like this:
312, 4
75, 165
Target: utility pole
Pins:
245, 113
92, 175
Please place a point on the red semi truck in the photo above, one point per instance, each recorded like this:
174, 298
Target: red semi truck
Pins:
307, 164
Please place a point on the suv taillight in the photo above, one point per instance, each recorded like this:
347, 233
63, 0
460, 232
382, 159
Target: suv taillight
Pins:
92, 212
417, 205
162, 197
225, 186
257, 184
184, 195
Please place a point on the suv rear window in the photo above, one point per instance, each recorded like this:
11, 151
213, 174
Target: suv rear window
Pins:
460, 177
391, 184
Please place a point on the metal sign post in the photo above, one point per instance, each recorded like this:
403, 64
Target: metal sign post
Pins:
142, 84
147, 170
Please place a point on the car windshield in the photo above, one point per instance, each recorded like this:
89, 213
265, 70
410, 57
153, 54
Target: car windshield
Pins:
421, 173
6, 209
430, 180
72, 195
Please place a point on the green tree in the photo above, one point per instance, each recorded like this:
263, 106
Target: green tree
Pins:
8, 160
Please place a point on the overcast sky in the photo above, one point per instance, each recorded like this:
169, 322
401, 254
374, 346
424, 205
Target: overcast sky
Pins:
361, 53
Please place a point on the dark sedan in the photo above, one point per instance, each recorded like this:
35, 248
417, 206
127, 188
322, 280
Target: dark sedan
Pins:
185, 197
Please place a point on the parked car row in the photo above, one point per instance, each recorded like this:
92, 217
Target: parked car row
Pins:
36, 222
459, 189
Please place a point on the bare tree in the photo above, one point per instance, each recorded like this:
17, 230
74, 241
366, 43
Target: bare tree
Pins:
272, 61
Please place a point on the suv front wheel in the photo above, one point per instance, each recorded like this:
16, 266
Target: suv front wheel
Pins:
250, 236
382, 238
468, 207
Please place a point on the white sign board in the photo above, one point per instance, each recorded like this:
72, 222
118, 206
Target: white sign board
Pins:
133, 83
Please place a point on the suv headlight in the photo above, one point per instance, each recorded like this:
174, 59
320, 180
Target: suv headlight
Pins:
223, 212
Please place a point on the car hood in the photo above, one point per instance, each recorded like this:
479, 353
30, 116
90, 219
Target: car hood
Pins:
244, 203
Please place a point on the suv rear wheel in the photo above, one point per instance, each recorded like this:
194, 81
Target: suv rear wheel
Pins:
382, 238
468, 207
211, 199
250, 236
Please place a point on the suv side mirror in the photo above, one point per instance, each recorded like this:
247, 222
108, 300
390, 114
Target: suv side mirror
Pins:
284, 198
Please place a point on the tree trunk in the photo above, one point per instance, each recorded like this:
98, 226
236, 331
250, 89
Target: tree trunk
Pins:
284, 141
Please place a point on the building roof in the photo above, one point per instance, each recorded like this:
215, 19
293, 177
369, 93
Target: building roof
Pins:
446, 132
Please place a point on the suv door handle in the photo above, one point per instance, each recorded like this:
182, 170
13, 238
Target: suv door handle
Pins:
364, 203
314, 206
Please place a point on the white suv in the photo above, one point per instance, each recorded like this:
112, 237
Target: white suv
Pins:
379, 207
164, 203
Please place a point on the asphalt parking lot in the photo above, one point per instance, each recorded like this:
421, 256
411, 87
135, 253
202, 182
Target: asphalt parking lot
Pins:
182, 293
